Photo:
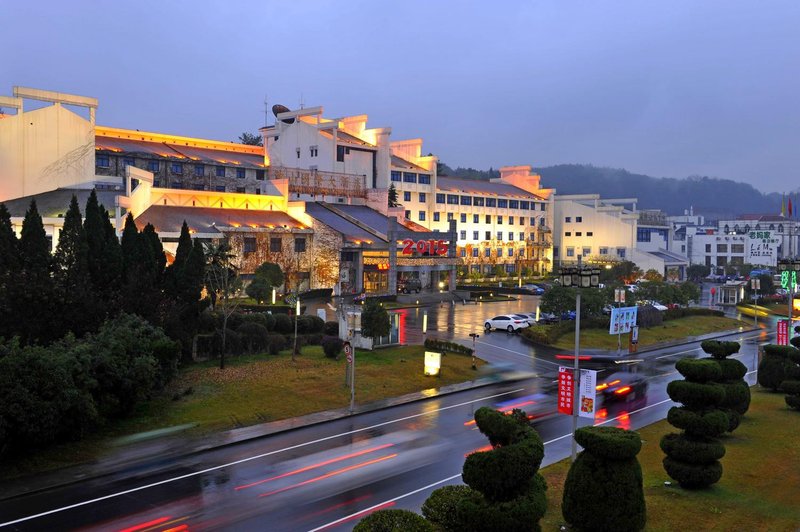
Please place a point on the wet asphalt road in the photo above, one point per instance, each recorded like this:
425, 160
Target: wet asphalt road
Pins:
330, 475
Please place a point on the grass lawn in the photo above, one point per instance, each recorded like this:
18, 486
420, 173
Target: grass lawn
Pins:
759, 489
669, 330
257, 389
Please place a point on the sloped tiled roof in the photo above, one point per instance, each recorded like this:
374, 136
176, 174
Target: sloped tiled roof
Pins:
399, 162
169, 219
477, 186
168, 150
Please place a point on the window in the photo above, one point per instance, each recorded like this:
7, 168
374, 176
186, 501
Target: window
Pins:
511, 235
533, 220
220, 171
240, 173
499, 220
589, 233
449, 216
220, 188
102, 161
502, 204
475, 218
424, 179
421, 216
406, 196
521, 252
176, 168
526, 205
570, 252
249, 244
708, 250
578, 219
409, 177
499, 235
260, 175
436, 217
439, 198
587, 252
128, 161
488, 235
488, 218
722, 261
297, 150
511, 252
177, 185
499, 252
463, 218
578, 233
487, 252
275, 245
621, 253
156, 183
737, 248
491, 202
521, 220
567, 219
466, 200
555, 251
475, 235
543, 206
722, 248
643, 235
463, 252
240, 190
422, 197
477, 201
152, 166
199, 170
198, 187
408, 215
313, 151
462, 235
396, 176
475, 252
452, 199
568, 233
299, 244
604, 251
340, 157
513, 204
510, 220
521, 235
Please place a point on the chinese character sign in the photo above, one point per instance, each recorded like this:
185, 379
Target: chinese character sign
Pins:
566, 390
761, 248
622, 319
588, 393
788, 279
783, 332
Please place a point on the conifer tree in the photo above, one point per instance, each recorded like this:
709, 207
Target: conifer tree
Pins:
105, 258
9, 270
32, 295
71, 275
172, 280
141, 293
150, 235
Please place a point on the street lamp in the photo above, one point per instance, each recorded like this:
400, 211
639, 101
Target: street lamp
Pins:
579, 277
474, 337
789, 269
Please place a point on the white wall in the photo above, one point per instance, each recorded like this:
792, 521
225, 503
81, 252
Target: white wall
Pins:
609, 230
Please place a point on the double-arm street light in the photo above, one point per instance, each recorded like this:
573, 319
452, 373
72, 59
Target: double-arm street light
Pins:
578, 277
790, 269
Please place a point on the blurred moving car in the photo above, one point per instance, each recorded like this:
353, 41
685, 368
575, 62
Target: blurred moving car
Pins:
622, 386
406, 286
532, 289
508, 322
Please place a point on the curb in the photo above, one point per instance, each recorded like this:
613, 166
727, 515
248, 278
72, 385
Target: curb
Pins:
73, 475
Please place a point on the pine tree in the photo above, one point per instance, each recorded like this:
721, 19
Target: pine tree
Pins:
141, 293
150, 235
173, 274
71, 275
9, 270
105, 258
192, 276
32, 295
392, 196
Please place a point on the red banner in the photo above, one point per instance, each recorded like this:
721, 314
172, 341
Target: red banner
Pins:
783, 332
566, 390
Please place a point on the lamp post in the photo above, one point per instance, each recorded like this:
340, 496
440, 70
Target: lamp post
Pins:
619, 298
580, 277
755, 284
790, 269
474, 337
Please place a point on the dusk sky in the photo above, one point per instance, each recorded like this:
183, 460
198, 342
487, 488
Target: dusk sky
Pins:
668, 88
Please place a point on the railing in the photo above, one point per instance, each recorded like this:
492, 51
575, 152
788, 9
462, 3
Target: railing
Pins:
321, 183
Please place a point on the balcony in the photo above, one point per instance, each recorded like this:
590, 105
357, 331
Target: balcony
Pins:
321, 183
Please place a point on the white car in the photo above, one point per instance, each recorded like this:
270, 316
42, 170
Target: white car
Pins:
507, 322
531, 319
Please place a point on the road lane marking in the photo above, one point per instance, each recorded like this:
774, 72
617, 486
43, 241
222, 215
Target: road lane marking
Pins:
243, 460
517, 353
698, 348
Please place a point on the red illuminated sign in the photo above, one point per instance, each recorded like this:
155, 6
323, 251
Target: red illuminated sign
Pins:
566, 390
783, 332
432, 247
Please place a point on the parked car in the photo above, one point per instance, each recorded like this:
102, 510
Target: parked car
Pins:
658, 305
532, 289
631, 287
406, 286
527, 317
507, 322
568, 315
622, 386
546, 317
607, 310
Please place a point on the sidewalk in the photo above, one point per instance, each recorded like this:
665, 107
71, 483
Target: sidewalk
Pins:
151, 456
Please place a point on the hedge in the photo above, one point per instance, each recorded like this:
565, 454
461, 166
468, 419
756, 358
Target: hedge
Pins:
393, 521
450, 347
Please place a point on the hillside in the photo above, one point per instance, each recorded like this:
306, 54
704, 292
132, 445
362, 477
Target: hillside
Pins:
712, 197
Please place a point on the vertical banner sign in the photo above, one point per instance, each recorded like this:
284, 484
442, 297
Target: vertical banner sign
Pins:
783, 332
566, 390
634, 340
588, 393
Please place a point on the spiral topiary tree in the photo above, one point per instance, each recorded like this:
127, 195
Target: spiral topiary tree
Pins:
791, 385
393, 521
504, 489
773, 367
603, 490
693, 455
737, 391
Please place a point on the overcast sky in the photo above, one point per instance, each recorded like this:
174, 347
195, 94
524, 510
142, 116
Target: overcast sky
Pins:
668, 88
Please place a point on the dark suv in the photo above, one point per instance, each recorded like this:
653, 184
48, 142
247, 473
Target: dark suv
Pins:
407, 286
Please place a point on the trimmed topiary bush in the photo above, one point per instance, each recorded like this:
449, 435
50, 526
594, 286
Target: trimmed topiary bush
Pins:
737, 391
773, 367
441, 508
393, 521
791, 386
332, 346
283, 324
331, 328
693, 455
607, 470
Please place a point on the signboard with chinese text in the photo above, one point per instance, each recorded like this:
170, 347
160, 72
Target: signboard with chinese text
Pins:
783, 332
622, 319
761, 247
566, 391
586, 394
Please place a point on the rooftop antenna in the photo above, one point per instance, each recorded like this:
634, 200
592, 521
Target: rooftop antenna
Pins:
266, 111
302, 103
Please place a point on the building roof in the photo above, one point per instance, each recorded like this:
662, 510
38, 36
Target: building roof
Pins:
54, 204
342, 137
477, 186
763, 217
169, 219
350, 231
177, 152
668, 257
399, 162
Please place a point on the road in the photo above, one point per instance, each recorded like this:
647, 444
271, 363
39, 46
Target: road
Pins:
327, 476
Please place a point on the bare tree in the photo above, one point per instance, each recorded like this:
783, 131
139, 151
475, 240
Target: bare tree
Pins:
223, 284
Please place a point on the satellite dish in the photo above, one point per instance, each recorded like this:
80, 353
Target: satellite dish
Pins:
278, 109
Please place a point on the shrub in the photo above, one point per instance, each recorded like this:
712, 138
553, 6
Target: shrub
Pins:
254, 336
791, 385
255, 317
451, 347
683, 312
331, 328
442, 507
607, 470
737, 392
332, 346
277, 343
233, 342
774, 366
393, 521
283, 324
649, 316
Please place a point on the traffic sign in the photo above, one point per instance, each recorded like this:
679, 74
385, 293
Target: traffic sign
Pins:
348, 351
